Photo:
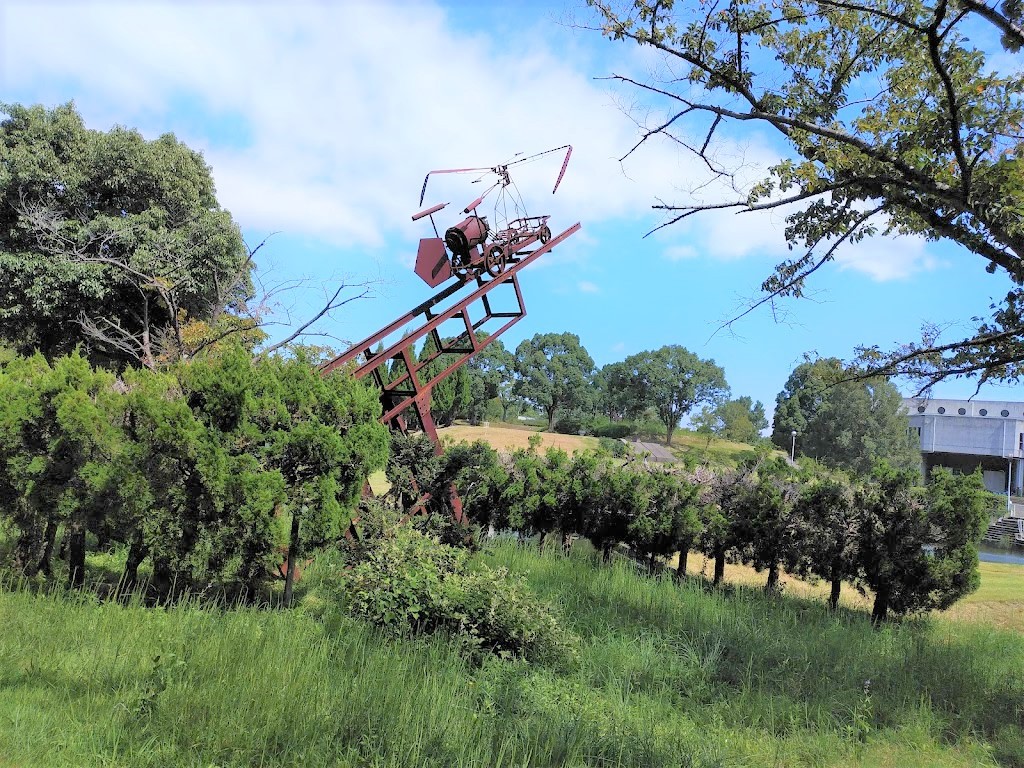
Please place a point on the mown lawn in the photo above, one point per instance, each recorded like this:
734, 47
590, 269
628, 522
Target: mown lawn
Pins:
668, 675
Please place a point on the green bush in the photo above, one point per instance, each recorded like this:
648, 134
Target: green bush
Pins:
613, 429
572, 423
408, 583
616, 448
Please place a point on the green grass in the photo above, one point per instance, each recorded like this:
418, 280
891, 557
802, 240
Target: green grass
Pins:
668, 675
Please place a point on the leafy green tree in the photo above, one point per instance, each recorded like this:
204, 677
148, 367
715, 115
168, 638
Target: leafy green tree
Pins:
897, 118
450, 397
958, 517
614, 391
670, 523
918, 548
57, 441
620, 496
740, 420
480, 477
538, 490
765, 527
844, 424
491, 377
672, 380
554, 373
112, 241
723, 499
826, 510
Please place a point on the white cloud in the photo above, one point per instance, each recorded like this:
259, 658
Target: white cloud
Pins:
586, 286
680, 253
888, 258
343, 108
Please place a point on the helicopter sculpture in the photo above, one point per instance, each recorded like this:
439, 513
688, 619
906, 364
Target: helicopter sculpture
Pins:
472, 247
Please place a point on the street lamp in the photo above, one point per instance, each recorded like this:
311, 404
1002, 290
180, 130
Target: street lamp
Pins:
792, 448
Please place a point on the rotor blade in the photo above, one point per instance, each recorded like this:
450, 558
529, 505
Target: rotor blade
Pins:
561, 173
539, 154
423, 191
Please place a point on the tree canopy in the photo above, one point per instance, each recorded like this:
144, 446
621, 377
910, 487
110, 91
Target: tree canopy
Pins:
896, 119
672, 380
844, 423
109, 240
554, 373
740, 420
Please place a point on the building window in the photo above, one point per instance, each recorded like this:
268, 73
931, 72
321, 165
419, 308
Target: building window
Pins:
920, 409
1020, 442
941, 409
1004, 413
962, 411
983, 412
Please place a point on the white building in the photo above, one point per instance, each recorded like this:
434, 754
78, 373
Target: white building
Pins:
967, 434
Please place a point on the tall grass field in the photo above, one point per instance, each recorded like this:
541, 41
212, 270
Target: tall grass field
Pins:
668, 675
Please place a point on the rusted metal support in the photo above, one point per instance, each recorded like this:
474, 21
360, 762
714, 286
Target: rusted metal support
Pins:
412, 387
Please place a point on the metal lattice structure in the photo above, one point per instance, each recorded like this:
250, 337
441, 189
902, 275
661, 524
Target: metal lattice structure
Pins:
471, 251
494, 306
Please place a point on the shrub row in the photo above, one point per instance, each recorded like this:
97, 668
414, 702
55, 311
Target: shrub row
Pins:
208, 471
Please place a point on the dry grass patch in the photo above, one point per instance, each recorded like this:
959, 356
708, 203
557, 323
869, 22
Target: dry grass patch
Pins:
999, 601
509, 438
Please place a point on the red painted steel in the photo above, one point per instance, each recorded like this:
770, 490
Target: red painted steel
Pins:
407, 390
432, 265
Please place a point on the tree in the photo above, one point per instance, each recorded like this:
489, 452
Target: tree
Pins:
620, 496
894, 120
846, 424
614, 391
958, 517
58, 451
491, 377
450, 397
740, 420
108, 240
826, 510
892, 533
537, 490
723, 498
765, 527
918, 548
672, 380
554, 373
670, 523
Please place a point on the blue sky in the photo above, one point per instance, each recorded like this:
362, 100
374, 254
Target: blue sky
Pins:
319, 121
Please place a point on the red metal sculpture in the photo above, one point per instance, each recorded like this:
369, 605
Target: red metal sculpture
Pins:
473, 246
460, 327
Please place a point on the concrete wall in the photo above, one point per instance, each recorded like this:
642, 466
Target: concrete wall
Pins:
966, 434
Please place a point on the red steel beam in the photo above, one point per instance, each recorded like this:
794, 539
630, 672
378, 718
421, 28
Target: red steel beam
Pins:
407, 390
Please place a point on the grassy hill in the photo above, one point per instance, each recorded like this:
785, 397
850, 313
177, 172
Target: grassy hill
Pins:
509, 437
668, 675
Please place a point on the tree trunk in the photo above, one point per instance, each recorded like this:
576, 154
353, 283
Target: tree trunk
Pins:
136, 554
837, 585
293, 552
651, 562
719, 568
606, 552
681, 565
880, 610
49, 541
669, 429
76, 555
566, 544
772, 585
540, 541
